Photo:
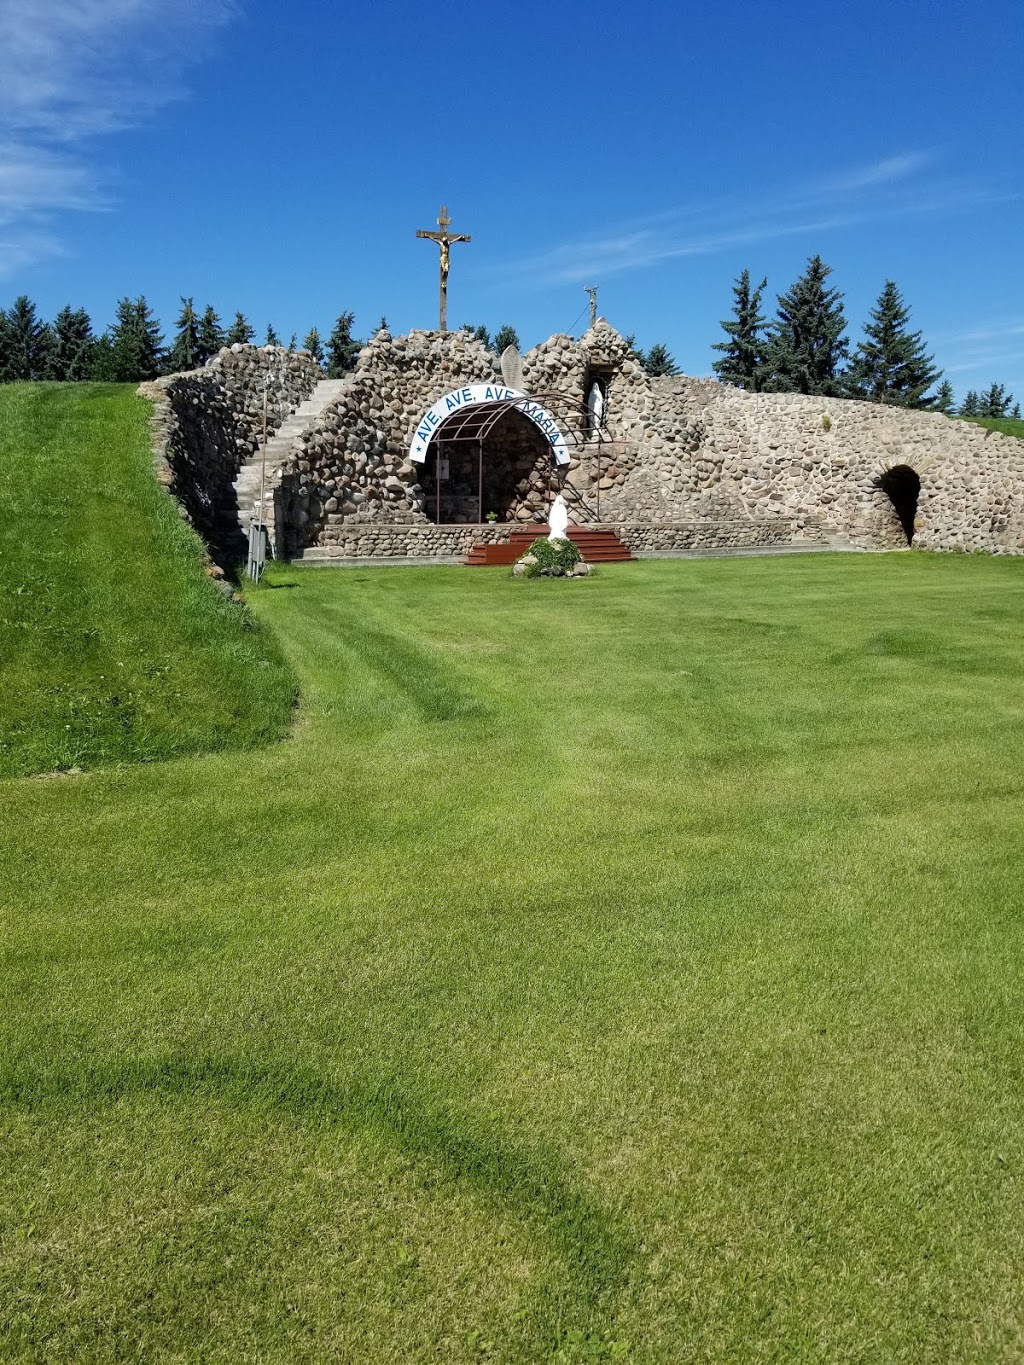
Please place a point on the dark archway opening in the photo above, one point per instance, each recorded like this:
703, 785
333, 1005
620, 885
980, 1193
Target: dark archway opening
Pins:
902, 486
516, 466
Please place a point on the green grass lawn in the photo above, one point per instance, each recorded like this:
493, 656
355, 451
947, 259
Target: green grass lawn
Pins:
628, 967
1009, 426
113, 644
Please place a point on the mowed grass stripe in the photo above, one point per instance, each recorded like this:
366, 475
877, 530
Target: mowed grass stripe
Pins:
661, 1003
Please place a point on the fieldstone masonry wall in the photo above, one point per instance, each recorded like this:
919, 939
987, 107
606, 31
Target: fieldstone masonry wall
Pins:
206, 422
683, 463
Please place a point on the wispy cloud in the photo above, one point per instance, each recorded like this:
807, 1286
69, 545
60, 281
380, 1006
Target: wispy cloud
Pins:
984, 351
71, 71
894, 186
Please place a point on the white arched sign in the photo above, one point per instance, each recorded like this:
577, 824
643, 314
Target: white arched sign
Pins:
472, 394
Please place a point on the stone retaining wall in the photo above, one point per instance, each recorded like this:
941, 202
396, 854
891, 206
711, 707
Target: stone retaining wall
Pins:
206, 422
674, 453
382, 541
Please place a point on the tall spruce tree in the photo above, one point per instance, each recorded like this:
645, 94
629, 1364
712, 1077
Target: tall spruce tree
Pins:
657, 361
945, 399
101, 360
382, 326
27, 341
995, 401
271, 339
504, 337
633, 350
971, 406
342, 349
890, 365
314, 346
480, 333
184, 353
136, 342
807, 346
743, 355
210, 336
71, 357
1015, 414
240, 331
5, 353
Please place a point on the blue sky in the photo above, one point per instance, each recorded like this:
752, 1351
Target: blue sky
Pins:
279, 159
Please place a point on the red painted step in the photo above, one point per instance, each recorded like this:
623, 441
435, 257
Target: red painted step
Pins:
596, 546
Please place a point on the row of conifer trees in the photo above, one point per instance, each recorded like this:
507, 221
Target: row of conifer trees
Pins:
806, 349
132, 348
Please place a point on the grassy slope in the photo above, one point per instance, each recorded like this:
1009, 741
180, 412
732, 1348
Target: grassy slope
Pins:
113, 643
1009, 426
625, 965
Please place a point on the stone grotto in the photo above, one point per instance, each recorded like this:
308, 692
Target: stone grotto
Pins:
423, 452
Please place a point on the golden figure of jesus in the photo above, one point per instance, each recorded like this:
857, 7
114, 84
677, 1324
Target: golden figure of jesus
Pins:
444, 240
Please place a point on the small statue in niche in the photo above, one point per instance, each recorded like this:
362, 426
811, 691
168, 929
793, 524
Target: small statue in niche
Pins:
595, 404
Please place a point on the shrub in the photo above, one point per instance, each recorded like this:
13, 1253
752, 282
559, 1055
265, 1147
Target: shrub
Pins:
547, 558
554, 554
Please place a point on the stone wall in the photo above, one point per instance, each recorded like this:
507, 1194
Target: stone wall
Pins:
206, 422
383, 540
678, 463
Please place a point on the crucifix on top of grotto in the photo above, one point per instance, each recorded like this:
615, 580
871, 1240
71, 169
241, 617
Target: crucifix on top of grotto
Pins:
444, 240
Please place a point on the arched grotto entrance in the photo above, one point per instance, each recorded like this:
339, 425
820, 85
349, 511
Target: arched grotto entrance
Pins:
902, 486
508, 467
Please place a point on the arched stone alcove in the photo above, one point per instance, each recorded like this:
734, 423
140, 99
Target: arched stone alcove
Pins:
902, 486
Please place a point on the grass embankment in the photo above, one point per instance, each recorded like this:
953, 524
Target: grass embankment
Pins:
114, 645
629, 967
1009, 426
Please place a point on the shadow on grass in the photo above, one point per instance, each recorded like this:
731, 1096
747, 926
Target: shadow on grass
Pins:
419, 674
529, 1183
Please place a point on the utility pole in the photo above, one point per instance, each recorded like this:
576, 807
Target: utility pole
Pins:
592, 289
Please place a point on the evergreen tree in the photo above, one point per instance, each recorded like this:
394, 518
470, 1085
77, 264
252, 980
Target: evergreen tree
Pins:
743, 355
314, 346
481, 333
184, 353
504, 337
1015, 414
945, 401
272, 339
101, 360
342, 350
136, 343
291, 342
27, 342
634, 350
71, 357
211, 335
658, 361
890, 364
240, 331
995, 401
382, 326
971, 406
807, 346
5, 352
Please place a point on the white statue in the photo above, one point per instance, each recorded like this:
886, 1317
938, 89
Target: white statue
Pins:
595, 402
558, 519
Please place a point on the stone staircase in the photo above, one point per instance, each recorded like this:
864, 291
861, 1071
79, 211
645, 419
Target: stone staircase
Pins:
279, 446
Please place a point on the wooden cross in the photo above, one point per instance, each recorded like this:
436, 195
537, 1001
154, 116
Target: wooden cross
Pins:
444, 240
